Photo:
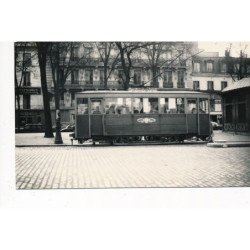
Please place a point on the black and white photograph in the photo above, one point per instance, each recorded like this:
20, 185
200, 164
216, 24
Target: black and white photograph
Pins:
132, 114
124, 125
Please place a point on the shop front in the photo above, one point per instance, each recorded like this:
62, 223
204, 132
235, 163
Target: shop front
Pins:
236, 106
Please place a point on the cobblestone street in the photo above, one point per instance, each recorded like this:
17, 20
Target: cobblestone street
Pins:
131, 166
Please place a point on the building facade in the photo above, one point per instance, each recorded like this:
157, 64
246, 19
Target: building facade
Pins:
167, 66
210, 75
98, 66
236, 106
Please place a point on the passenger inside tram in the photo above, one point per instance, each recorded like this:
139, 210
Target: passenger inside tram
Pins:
97, 110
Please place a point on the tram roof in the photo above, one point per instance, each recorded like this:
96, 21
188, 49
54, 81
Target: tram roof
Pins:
143, 92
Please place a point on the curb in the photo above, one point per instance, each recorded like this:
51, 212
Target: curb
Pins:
228, 144
108, 145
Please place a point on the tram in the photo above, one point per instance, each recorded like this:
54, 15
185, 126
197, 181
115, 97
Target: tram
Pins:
124, 116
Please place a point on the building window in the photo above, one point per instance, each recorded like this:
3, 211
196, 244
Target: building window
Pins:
212, 105
197, 67
137, 76
121, 76
26, 60
102, 77
26, 101
217, 105
209, 67
62, 97
180, 83
236, 68
74, 77
168, 54
223, 68
210, 85
26, 79
72, 99
223, 84
248, 69
75, 53
89, 76
167, 79
88, 51
196, 85
229, 113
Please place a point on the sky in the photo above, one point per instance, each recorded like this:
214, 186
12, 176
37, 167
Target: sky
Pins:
222, 46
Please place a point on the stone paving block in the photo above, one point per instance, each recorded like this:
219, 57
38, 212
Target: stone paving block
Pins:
137, 166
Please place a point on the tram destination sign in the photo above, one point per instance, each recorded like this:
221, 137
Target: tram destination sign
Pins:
29, 91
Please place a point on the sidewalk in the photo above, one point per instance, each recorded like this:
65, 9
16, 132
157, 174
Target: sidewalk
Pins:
37, 139
229, 139
220, 138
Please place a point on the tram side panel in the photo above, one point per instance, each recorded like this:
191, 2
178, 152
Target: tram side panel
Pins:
138, 124
204, 124
192, 124
82, 126
174, 124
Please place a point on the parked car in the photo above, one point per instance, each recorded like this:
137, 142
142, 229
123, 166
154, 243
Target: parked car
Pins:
216, 126
32, 128
68, 128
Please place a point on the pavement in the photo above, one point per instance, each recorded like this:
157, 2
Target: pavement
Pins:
130, 167
220, 138
40, 164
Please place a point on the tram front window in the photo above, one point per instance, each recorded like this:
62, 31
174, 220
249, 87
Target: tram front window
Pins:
203, 106
82, 106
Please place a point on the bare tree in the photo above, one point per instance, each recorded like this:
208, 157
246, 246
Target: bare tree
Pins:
126, 53
21, 65
109, 61
237, 67
154, 60
42, 50
64, 59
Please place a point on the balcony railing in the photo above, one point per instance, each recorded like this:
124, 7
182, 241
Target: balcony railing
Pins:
168, 85
92, 85
180, 84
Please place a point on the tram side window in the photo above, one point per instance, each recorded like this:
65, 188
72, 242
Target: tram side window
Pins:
180, 105
124, 106
138, 105
175, 106
110, 105
118, 105
150, 105
82, 106
96, 107
203, 106
163, 105
192, 106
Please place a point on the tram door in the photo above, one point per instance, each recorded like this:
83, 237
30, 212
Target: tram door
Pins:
96, 118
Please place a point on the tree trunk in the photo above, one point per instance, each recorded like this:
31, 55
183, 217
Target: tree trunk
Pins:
42, 55
58, 138
155, 78
105, 75
18, 104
